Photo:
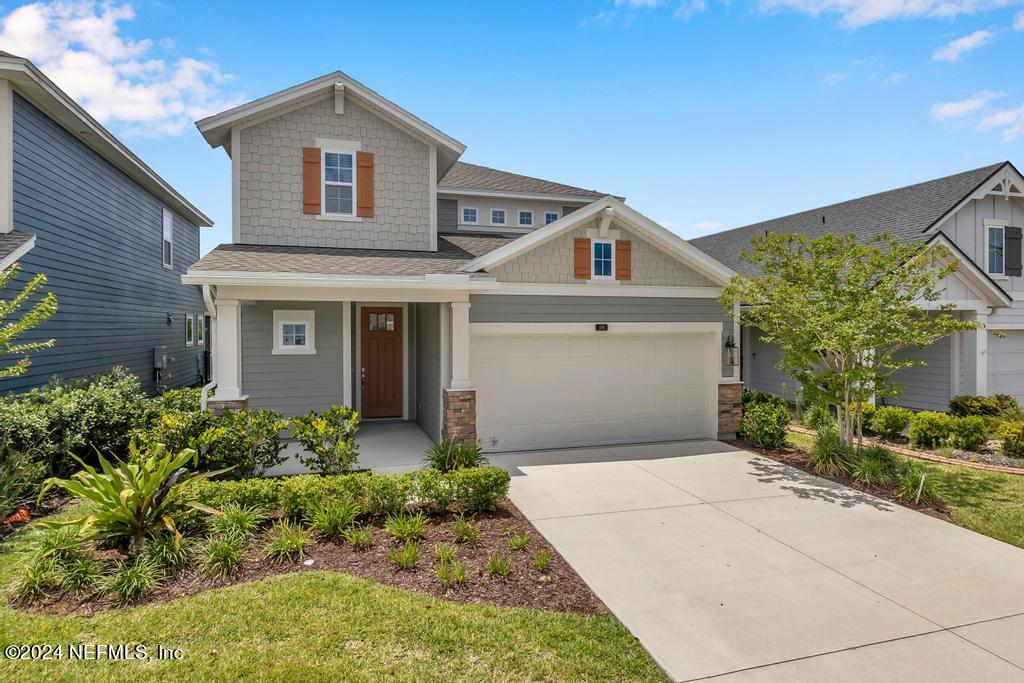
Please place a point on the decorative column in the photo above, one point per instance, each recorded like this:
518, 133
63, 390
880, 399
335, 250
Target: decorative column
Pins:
730, 410
980, 338
227, 357
459, 419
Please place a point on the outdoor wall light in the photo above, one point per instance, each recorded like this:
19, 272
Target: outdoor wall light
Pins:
731, 357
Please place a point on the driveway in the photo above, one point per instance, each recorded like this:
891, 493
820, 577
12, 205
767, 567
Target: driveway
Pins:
724, 563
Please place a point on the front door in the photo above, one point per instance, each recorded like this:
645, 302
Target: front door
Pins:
381, 362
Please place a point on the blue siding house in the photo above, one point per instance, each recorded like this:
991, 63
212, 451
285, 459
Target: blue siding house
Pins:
112, 237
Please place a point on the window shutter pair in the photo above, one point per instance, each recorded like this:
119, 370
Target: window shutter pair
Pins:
312, 179
583, 262
1013, 251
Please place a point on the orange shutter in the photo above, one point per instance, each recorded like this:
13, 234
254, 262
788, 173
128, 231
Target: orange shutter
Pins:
311, 180
581, 258
364, 184
623, 259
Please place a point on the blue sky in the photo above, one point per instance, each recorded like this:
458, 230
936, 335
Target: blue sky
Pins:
704, 114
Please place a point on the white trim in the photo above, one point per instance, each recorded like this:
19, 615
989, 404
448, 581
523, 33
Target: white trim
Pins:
167, 236
1002, 225
462, 215
6, 157
11, 258
1004, 174
501, 329
426, 282
200, 328
529, 196
190, 330
972, 275
519, 218
227, 356
954, 364
339, 98
284, 317
432, 189
556, 214
495, 230
236, 185
490, 217
345, 147
981, 354
461, 344
405, 351
630, 218
339, 217
594, 277
596, 289
346, 353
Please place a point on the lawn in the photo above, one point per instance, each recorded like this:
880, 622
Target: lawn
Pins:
991, 503
319, 625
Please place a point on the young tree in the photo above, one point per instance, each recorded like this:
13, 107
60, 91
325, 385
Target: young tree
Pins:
13, 327
841, 311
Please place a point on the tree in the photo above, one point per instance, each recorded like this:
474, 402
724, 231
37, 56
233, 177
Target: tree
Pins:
841, 311
13, 327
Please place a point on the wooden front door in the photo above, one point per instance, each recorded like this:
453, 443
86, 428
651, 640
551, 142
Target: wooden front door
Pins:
381, 363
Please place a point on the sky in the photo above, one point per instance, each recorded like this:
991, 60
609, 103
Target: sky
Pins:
705, 115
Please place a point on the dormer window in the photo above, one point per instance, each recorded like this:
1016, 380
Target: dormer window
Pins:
498, 217
339, 185
469, 215
526, 219
550, 217
603, 259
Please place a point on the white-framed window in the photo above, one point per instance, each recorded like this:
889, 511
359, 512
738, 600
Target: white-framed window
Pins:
995, 247
339, 182
168, 239
550, 217
190, 330
498, 216
294, 332
526, 218
469, 215
200, 329
603, 260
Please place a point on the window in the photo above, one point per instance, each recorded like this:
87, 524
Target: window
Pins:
550, 217
497, 216
339, 187
189, 330
996, 249
168, 244
603, 259
469, 214
200, 331
526, 218
294, 332
381, 322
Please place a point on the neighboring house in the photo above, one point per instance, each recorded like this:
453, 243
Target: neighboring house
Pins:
369, 267
112, 237
978, 216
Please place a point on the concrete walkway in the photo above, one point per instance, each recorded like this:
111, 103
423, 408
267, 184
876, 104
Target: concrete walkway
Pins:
727, 564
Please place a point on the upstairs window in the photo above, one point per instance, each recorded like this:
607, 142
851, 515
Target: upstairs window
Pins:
550, 217
168, 242
996, 250
339, 187
603, 266
469, 214
497, 216
526, 218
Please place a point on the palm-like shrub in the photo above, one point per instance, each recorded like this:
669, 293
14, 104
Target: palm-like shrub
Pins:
132, 580
332, 516
330, 438
135, 499
875, 466
913, 484
222, 555
406, 527
829, 456
451, 455
239, 520
818, 417
288, 541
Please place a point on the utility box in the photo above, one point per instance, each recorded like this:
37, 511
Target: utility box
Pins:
159, 357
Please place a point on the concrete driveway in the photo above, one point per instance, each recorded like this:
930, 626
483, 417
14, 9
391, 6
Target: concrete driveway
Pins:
727, 564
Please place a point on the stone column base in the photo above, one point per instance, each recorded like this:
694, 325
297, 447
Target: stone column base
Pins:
730, 410
219, 407
459, 420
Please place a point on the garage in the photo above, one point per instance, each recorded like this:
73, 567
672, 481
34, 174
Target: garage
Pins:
1006, 363
572, 384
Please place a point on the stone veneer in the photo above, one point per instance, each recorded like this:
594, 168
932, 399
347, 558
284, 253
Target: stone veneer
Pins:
730, 408
218, 407
459, 416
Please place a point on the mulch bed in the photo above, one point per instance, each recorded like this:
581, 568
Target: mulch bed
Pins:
558, 588
797, 457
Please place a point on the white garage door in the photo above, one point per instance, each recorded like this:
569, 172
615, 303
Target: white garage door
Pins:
554, 390
1006, 364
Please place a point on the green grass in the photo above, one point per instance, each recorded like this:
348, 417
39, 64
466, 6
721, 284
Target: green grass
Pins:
318, 625
991, 503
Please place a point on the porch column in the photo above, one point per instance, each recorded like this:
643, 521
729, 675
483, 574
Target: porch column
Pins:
227, 355
460, 346
458, 421
980, 339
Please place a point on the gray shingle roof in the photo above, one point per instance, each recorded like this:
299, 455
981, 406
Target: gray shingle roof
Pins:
452, 252
9, 241
472, 177
906, 212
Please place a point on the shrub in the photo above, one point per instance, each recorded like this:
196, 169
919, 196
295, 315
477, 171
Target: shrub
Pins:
433, 490
167, 552
287, 541
466, 531
358, 537
444, 553
56, 542
498, 565
406, 557
135, 499
451, 455
764, 425
930, 429
828, 456
247, 441
478, 489
19, 478
908, 482
175, 429
890, 421
1011, 439
256, 494
819, 416
518, 541
236, 520
406, 527
331, 517
874, 466
541, 560
451, 574
867, 413
79, 573
999, 405
297, 495
969, 433
389, 493
37, 580
221, 556
183, 400
755, 396
329, 439
132, 580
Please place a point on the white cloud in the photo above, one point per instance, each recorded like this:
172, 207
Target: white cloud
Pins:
688, 9
856, 13
1010, 121
1018, 21
945, 111
952, 51
895, 78
833, 78
636, 3
119, 80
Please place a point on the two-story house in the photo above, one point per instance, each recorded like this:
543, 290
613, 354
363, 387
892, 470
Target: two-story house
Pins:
112, 237
370, 267
978, 216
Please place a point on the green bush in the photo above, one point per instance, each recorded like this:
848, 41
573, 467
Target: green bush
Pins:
755, 396
221, 556
359, 537
969, 433
451, 574
819, 416
258, 494
518, 540
36, 580
176, 429
168, 552
451, 455
1011, 439
79, 573
406, 527
466, 530
828, 456
298, 495
287, 541
541, 560
890, 421
236, 520
406, 557
433, 490
930, 429
867, 413
478, 489
182, 400
908, 483
874, 467
389, 493
132, 580
764, 425
331, 517
329, 439
247, 441
19, 480
999, 405
498, 565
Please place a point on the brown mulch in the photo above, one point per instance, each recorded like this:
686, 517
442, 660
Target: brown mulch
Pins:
797, 457
558, 588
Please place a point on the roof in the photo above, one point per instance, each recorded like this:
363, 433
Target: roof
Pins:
32, 84
13, 245
907, 212
463, 176
453, 252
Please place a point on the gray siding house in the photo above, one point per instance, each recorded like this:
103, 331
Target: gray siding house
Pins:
112, 237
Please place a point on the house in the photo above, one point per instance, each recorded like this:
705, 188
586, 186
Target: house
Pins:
112, 237
978, 216
370, 267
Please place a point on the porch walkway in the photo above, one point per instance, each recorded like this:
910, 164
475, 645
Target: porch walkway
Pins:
385, 446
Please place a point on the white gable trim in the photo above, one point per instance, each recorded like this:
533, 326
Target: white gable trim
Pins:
626, 216
1003, 177
9, 260
973, 277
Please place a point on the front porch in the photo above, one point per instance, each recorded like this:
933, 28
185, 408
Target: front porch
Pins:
384, 446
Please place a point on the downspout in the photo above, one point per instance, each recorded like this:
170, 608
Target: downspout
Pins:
211, 310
